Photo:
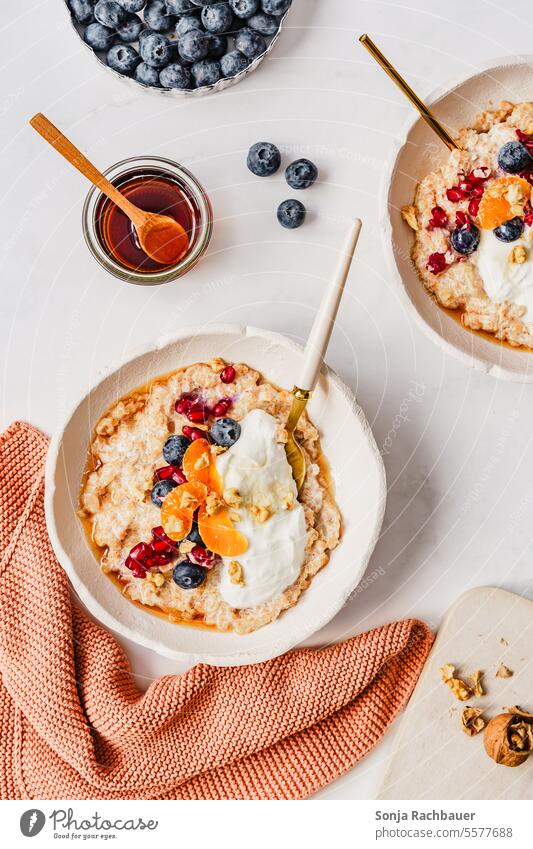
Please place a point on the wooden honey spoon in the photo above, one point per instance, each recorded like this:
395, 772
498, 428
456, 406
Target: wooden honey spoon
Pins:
161, 237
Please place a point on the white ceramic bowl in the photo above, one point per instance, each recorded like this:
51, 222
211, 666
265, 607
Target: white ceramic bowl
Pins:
356, 466
420, 151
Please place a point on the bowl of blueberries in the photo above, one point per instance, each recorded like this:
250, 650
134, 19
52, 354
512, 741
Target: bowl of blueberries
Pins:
191, 47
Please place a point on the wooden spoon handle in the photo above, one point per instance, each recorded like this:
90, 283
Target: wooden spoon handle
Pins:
55, 137
319, 336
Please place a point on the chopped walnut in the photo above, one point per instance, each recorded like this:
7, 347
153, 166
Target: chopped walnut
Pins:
186, 546
409, 215
260, 514
217, 449
518, 255
477, 689
213, 504
202, 462
471, 721
232, 497
235, 573
460, 690
155, 578
234, 515
515, 197
217, 364
504, 671
287, 501
187, 501
174, 525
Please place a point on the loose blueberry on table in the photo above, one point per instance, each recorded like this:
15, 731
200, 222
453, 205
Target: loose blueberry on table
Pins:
291, 214
229, 35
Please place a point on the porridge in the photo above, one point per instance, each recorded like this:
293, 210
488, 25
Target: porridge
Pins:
190, 502
473, 225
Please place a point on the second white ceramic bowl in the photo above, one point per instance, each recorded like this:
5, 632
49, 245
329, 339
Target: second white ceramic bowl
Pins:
356, 467
420, 151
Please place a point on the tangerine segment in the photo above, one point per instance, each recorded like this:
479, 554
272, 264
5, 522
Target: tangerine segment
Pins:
177, 509
219, 535
495, 205
197, 461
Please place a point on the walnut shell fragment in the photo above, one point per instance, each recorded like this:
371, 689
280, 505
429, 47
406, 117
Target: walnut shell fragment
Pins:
508, 737
504, 671
458, 687
471, 721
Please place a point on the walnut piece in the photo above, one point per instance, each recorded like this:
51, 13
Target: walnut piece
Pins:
471, 721
504, 671
409, 215
477, 689
287, 502
174, 525
232, 497
460, 690
213, 504
217, 364
186, 546
202, 462
235, 573
518, 255
260, 514
187, 501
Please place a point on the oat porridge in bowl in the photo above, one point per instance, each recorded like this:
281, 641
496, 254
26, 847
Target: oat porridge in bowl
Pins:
190, 503
472, 221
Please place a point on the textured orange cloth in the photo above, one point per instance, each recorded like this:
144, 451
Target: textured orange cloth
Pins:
74, 725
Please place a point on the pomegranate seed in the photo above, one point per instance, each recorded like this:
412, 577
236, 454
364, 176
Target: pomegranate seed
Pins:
462, 220
170, 472
438, 218
473, 207
202, 557
194, 432
221, 407
197, 415
162, 559
136, 569
436, 262
478, 175
227, 375
182, 407
140, 552
455, 194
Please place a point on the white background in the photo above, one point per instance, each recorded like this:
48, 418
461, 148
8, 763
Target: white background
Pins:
460, 482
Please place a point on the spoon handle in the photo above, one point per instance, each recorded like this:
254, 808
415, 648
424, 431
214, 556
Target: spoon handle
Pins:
70, 152
319, 337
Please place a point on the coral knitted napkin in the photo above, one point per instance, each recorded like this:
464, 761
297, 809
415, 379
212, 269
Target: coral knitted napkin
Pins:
74, 725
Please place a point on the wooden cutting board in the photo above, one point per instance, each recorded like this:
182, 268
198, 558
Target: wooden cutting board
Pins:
433, 757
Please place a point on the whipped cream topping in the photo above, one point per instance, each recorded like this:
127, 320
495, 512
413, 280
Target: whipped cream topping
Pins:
256, 465
504, 280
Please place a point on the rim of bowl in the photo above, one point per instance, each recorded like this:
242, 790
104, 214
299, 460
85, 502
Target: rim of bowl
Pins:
165, 275
471, 360
220, 85
238, 657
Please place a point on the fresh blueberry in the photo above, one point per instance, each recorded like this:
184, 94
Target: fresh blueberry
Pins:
465, 240
156, 50
263, 159
194, 45
146, 75
156, 16
233, 63
514, 157
291, 214
217, 17
123, 58
301, 174
250, 43
109, 13
275, 7
175, 75
186, 24
179, 7
206, 72
174, 449
98, 36
225, 432
130, 29
161, 490
83, 10
218, 45
194, 535
244, 8
188, 575
265, 24
510, 230
132, 5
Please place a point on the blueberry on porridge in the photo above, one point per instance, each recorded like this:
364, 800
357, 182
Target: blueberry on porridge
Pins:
190, 502
473, 225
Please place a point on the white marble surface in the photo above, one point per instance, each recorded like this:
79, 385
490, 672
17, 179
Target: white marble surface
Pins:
460, 482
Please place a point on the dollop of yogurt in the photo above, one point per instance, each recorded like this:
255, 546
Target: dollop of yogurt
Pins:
256, 465
504, 280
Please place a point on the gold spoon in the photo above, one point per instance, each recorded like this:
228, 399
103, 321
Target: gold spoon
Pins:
425, 112
161, 237
314, 352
